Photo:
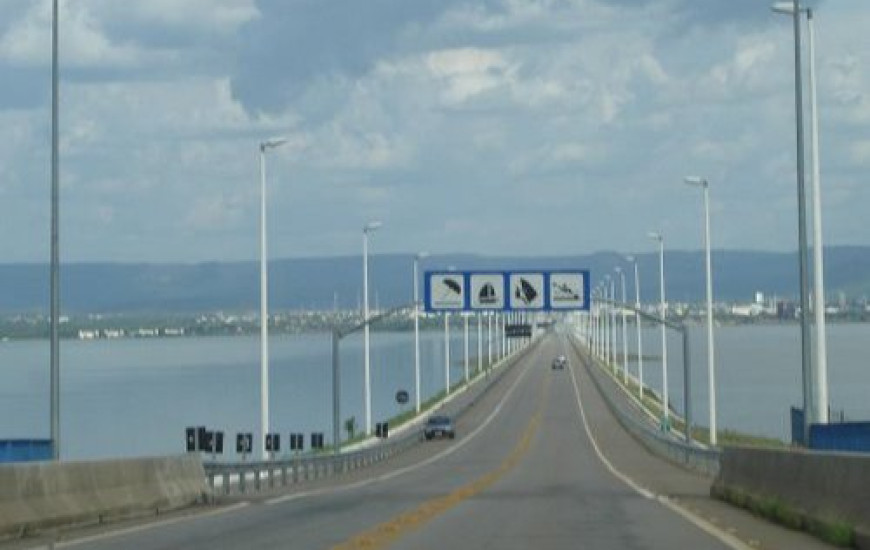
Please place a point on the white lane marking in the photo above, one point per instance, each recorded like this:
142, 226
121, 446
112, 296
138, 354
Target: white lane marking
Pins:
704, 525
723, 537
145, 527
413, 467
624, 478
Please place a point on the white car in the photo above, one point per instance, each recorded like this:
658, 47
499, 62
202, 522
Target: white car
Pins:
560, 362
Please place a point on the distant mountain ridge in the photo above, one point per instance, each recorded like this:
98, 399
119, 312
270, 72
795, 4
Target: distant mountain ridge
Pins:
324, 283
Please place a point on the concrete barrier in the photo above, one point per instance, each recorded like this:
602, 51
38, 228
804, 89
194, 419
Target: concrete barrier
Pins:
38, 495
824, 486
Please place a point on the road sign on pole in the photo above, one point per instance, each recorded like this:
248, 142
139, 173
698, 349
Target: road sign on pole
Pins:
525, 290
445, 291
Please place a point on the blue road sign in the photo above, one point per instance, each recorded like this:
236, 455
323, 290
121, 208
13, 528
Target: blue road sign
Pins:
525, 290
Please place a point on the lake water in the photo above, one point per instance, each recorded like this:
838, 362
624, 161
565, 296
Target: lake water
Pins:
134, 397
758, 373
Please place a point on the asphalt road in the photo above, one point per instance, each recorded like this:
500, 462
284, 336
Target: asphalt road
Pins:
522, 473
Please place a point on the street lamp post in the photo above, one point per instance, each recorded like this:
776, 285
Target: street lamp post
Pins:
54, 352
806, 359
596, 325
605, 328
613, 323
663, 308
264, 295
637, 320
447, 353
417, 259
467, 358
489, 341
479, 342
819, 377
711, 365
624, 338
503, 336
367, 386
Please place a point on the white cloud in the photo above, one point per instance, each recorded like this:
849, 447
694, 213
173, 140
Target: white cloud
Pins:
222, 16
214, 212
749, 69
492, 101
860, 152
82, 41
468, 72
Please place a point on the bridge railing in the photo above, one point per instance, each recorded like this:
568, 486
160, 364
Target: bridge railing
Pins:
256, 476
242, 477
704, 460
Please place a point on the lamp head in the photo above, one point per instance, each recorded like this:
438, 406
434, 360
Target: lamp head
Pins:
696, 181
371, 226
655, 236
272, 143
785, 8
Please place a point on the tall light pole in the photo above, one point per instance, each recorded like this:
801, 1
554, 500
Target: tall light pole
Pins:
368, 228
417, 259
637, 320
264, 294
596, 327
663, 308
613, 336
806, 359
489, 341
624, 337
503, 336
447, 353
606, 318
820, 377
711, 356
55, 241
467, 358
479, 342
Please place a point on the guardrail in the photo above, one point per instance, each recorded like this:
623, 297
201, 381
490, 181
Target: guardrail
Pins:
242, 477
260, 475
700, 459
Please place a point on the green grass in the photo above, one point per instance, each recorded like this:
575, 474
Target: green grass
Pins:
652, 403
410, 414
836, 532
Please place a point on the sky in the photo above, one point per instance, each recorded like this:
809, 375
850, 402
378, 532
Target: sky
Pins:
495, 127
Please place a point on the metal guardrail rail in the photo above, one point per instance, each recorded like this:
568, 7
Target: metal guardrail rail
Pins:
226, 478
243, 477
703, 460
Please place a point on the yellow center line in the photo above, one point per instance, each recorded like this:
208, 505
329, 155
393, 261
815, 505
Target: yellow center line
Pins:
383, 535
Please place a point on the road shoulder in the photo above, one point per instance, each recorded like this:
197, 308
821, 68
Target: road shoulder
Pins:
688, 490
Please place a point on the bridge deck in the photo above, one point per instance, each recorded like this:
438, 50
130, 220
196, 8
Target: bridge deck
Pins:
522, 473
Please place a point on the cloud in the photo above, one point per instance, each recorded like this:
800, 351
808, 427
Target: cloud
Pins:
214, 212
449, 119
84, 43
860, 152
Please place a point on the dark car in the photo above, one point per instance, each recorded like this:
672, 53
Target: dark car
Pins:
560, 362
439, 426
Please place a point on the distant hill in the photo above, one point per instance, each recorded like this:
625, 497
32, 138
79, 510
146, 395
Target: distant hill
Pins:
322, 283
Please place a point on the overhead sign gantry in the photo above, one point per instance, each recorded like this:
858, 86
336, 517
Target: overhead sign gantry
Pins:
525, 290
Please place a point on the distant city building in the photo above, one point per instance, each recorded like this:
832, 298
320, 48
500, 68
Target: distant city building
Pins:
786, 310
